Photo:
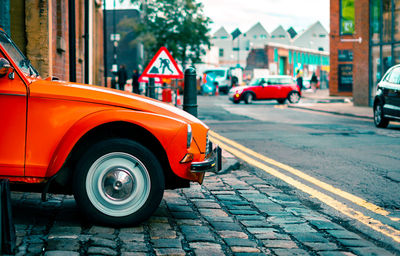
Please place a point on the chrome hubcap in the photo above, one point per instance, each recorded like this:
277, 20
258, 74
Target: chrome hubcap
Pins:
118, 184
294, 98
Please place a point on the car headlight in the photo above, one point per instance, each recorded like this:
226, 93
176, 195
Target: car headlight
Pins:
189, 136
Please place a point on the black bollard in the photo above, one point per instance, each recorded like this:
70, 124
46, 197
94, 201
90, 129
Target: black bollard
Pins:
152, 88
8, 235
190, 92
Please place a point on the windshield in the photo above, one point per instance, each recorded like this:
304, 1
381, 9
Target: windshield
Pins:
216, 73
13, 51
257, 81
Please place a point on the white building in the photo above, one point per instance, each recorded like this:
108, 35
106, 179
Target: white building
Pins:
233, 52
316, 37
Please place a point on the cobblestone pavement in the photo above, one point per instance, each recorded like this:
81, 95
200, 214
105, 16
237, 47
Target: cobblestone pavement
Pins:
235, 213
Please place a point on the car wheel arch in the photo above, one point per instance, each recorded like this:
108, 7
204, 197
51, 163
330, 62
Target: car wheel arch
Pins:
66, 154
248, 92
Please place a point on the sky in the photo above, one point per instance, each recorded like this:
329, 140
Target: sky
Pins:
243, 14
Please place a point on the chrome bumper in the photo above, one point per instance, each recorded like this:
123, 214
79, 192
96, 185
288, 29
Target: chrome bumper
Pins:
213, 163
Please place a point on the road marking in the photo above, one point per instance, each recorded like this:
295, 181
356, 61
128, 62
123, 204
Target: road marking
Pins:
354, 214
355, 199
281, 106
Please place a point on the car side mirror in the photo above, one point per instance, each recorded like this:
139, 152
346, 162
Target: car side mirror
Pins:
5, 67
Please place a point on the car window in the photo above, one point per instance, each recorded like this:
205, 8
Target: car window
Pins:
285, 80
394, 76
273, 81
217, 73
22, 62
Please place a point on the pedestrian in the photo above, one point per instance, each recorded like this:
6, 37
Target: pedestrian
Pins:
299, 80
135, 82
314, 82
122, 77
113, 80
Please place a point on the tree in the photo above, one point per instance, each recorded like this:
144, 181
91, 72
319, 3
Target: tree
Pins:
179, 25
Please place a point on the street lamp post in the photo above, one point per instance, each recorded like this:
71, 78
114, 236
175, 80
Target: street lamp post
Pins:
115, 43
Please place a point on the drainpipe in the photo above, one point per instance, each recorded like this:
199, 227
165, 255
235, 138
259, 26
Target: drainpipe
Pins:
105, 44
72, 41
86, 36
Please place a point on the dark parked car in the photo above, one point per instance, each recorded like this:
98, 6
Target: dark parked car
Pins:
277, 88
387, 99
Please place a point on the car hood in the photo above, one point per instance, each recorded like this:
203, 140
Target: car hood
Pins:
241, 88
101, 95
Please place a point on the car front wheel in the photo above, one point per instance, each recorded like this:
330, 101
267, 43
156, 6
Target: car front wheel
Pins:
118, 182
379, 120
294, 97
248, 98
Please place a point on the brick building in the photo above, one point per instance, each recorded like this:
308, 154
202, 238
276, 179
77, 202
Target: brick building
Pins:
62, 38
364, 43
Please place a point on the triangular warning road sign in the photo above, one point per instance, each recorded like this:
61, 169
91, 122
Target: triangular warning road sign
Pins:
163, 66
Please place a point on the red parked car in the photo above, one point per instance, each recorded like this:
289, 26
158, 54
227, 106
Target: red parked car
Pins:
280, 88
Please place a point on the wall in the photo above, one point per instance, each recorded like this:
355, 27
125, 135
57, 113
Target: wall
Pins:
37, 35
59, 37
17, 19
360, 51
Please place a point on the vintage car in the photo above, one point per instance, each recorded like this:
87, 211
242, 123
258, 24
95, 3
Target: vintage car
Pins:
114, 151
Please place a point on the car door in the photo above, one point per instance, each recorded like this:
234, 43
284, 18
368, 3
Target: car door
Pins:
270, 88
392, 93
13, 104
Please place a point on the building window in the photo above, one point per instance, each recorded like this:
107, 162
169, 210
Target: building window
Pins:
255, 37
347, 15
387, 20
387, 59
322, 35
396, 14
375, 27
321, 49
263, 36
221, 52
224, 37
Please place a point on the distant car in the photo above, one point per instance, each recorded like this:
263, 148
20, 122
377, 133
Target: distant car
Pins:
280, 88
219, 76
387, 99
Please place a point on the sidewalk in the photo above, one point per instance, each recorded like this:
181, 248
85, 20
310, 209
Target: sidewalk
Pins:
321, 101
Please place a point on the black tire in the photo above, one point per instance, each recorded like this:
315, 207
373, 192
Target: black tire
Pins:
379, 119
236, 101
118, 182
248, 98
281, 101
293, 97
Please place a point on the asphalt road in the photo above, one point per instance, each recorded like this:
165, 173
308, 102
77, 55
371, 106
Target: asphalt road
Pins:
347, 153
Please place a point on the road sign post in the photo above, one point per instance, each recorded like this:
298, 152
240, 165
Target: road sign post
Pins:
152, 88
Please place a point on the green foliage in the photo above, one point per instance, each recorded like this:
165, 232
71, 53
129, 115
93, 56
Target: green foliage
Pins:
179, 25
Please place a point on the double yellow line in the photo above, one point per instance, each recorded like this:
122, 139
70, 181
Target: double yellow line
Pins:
244, 153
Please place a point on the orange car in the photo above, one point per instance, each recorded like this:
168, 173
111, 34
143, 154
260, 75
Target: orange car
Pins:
114, 151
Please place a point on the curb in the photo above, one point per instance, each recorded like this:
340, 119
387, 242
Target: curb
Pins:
331, 112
